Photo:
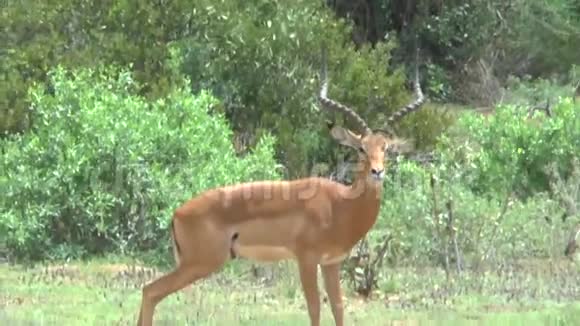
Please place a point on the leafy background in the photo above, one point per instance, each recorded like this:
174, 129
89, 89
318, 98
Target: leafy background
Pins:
114, 112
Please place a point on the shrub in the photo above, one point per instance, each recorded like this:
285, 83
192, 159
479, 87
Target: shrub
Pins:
263, 60
103, 168
430, 215
509, 150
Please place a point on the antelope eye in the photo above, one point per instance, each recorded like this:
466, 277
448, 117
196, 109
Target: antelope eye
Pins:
361, 150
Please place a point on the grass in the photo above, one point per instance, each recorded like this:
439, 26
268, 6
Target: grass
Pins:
105, 293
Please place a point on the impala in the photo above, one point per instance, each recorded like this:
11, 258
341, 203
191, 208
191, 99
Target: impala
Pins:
314, 221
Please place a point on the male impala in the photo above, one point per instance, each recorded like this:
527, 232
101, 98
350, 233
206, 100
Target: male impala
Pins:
314, 221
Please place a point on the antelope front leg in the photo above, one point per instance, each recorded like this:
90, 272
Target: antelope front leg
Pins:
308, 278
331, 274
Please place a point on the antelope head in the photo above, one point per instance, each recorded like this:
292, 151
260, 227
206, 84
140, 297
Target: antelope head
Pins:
371, 144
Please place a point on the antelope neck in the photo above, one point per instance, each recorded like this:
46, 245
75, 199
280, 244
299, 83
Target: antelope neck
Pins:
364, 187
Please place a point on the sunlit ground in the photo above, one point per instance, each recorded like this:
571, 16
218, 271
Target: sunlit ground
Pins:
97, 293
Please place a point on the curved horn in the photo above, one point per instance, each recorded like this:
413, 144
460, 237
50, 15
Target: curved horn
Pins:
413, 106
339, 107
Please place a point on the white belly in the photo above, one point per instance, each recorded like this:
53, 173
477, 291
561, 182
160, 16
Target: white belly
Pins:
330, 259
276, 253
263, 253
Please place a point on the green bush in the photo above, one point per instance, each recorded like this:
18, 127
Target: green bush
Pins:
527, 92
415, 214
36, 36
263, 60
260, 59
103, 168
497, 226
511, 181
510, 151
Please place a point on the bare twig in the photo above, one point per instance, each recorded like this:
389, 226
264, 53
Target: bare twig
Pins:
546, 109
507, 203
362, 270
567, 193
443, 244
572, 243
378, 261
452, 232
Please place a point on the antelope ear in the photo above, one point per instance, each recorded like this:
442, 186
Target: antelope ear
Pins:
346, 137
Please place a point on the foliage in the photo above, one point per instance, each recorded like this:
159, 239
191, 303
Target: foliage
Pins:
263, 60
80, 33
497, 192
527, 92
93, 160
543, 35
413, 228
460, 29
104, 167
509, 150
518, 37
